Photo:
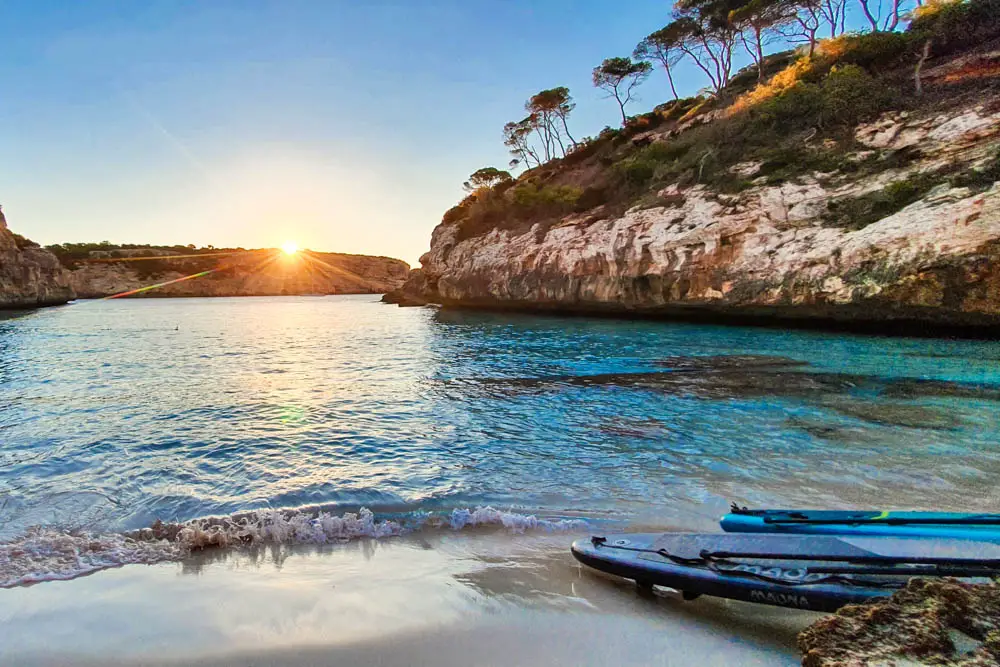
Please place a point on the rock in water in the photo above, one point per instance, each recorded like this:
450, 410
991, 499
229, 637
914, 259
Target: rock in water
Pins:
30, 276
930, 622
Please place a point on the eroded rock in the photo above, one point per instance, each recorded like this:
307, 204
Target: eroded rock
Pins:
930, 622
30, 276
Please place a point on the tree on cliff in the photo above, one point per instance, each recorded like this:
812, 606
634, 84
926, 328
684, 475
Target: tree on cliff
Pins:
758, 23
517, 138
664, 46
709, 36
487, 177
809, 16
619, 77
550, 109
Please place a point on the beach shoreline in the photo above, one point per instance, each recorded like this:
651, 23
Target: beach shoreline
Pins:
485, 599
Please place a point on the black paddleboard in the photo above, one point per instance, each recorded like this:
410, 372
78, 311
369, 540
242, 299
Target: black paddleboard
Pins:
820, 573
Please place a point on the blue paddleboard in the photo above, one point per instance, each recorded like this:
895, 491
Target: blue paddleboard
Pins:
820, 573
944, 525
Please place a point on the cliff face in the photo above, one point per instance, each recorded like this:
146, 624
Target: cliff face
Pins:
788, 250
243, 273
30, 276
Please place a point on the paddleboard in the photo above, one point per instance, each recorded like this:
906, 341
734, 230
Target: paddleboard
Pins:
819, 573
945, 525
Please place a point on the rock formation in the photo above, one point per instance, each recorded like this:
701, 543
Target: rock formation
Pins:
930, 622
30, 276
771, 251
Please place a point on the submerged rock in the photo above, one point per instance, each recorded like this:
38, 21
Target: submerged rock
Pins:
30, 276
750, 376
897, 414
930, 622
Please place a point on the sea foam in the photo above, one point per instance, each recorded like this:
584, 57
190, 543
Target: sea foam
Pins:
47, 554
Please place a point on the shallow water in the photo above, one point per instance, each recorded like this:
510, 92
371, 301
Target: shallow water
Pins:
114, 414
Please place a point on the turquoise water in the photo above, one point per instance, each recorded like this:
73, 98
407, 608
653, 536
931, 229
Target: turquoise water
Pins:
114, 414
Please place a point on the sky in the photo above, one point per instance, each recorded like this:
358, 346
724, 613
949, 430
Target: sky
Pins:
342, 126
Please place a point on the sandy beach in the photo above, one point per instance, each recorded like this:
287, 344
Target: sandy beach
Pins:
474, 599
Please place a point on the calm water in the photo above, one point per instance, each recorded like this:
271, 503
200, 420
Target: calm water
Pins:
114, 414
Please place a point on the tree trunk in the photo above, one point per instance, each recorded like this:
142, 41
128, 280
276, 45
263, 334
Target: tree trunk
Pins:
920, 65
868, 15
673, 88
893, 19
558, 138
759, 34
621, 105
562, 117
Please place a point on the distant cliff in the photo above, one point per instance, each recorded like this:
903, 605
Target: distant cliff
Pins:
29, 275
97, 271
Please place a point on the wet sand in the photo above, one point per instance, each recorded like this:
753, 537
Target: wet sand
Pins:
442, 599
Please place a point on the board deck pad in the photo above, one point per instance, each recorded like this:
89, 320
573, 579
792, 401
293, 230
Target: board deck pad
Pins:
866, 516
692, 545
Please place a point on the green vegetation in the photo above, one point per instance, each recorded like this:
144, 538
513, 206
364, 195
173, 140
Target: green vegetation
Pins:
859, 212
981, 179
73, 255
22, 242
792, 112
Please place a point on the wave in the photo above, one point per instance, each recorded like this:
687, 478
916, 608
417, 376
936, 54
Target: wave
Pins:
49, 554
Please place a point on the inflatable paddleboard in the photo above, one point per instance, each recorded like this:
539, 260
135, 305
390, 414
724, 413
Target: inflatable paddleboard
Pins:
819, 573
983, 527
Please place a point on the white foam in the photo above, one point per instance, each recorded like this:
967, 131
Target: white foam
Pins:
512, 521
46, 554
282, 527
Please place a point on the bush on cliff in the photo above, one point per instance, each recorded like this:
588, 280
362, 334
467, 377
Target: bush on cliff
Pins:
955, 25
22, 242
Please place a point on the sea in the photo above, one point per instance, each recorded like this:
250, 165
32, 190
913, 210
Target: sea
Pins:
135, 430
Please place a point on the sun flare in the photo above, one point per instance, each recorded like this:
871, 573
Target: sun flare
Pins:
290, 247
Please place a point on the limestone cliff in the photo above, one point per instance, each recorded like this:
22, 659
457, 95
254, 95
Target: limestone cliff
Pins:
231, 273
905, 228
29, 275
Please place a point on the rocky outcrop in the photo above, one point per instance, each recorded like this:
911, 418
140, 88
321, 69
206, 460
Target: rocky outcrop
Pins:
30, 276
241, 273
771, 251
930, 622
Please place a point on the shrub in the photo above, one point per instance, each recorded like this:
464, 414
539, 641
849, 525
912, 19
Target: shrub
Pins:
22, 242
954, 25
858, 212
874, 51
850, 95
534, 199
636, 171
981, 179
793, 108
592, 197
454, 214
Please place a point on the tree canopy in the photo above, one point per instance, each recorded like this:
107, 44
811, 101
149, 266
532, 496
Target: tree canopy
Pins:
619, 77
487, 177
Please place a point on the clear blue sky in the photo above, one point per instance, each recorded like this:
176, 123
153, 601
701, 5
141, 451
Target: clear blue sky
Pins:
345, 126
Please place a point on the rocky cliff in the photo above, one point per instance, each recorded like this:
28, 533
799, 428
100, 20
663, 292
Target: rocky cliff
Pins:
29, 275
903, 228
209, 272
764, 251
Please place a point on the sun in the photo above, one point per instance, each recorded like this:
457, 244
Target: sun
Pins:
290, 247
